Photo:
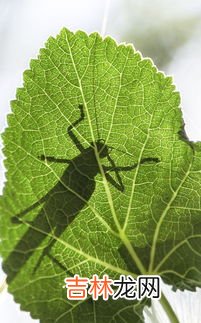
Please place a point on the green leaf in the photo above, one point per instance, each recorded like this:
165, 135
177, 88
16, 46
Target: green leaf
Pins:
100, 179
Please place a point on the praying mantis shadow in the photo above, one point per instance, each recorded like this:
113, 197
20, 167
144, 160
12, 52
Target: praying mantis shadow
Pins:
65, 200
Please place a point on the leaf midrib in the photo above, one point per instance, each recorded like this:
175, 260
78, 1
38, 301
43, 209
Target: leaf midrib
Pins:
122, 234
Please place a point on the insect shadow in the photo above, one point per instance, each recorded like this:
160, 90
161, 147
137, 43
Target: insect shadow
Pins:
66, 199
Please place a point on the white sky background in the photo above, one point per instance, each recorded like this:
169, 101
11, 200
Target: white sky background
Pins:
26, 24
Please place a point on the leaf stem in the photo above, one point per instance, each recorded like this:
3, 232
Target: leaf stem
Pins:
168, 309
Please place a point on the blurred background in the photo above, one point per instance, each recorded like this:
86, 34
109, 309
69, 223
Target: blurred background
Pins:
168, 31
